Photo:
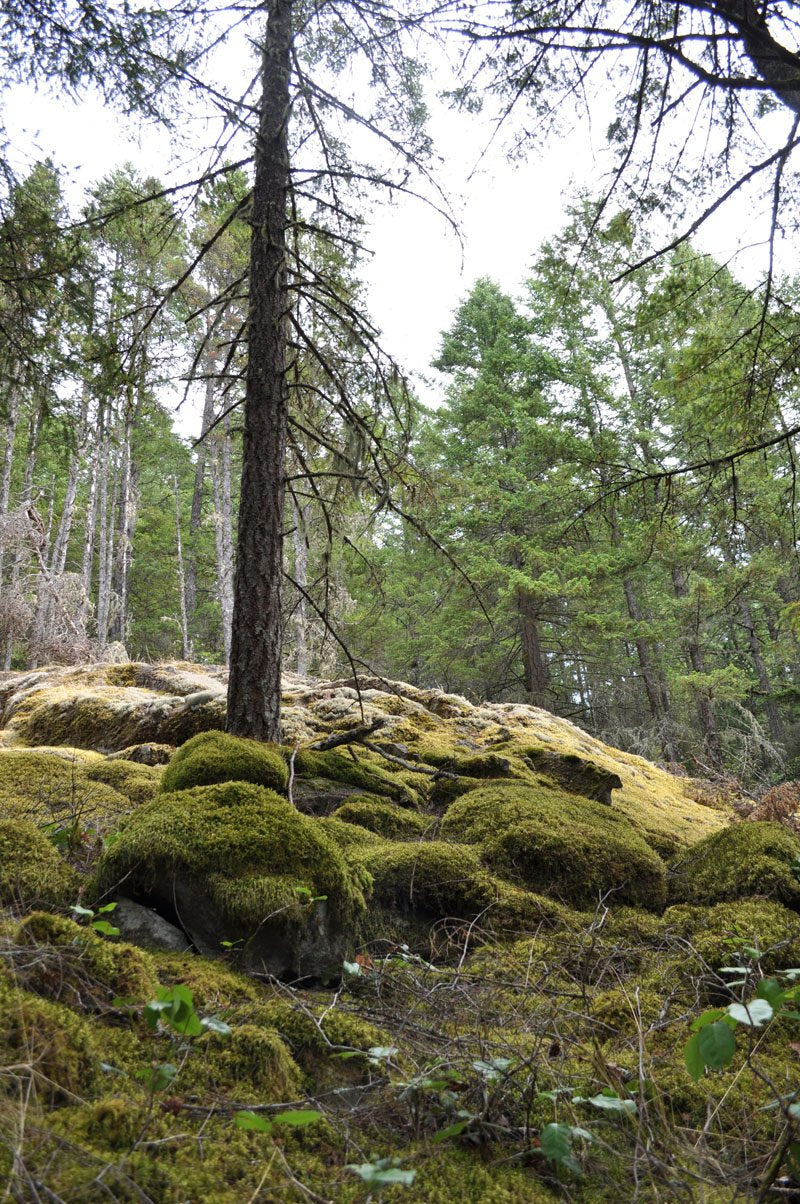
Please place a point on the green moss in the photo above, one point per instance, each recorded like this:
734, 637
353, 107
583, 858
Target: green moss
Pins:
215, 986
454, 1174
558, 843
347, 836
80, 967
139, 783
241, 865
385, 819
743, 859
253, 1064
45, 785
48, 1043
432, 879
318, 1032
213, 757
718, 933
32, 871
365, 773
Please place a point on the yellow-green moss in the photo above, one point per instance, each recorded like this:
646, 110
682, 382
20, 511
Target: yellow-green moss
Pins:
45, 785
320, 1031
32, 871
245, 845
139, 783
364, 772
252, 1064
719, 932
214, 757
385, 819
47, 1042
433, 879
78, 966
347, 836
743, 859
559, 843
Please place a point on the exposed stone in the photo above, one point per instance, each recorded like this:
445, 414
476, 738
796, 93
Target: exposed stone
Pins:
144, 927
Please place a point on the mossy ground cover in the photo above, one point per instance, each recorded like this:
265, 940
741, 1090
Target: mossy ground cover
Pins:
509, 964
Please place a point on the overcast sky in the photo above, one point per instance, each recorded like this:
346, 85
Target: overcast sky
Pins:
420, 269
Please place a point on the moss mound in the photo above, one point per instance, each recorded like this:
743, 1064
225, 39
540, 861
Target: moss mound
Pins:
432, 879
365, 772
32, 871
722, 933
743, 859
45, 784
214, 757
53, 1042
253, 1057
385, 819
75, 965
136, 782
238, 863
558, 843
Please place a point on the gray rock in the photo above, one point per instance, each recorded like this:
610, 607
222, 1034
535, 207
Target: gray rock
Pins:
144, 927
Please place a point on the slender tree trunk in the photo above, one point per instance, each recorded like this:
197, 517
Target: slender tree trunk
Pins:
774, 721
105, 544
124, 527
223, 532
186, 646
534, 663
254, 687
706, 712
196, 514
87, 563
301, 577
34, 430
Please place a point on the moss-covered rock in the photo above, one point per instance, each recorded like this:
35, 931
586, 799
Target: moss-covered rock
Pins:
47, 1043
32, 871
743, 859
48, 784
559, 843
214, 757
77, 966
136, 782
721, 933
238, 863
385, 819
253, 1061
431, 879
363, 771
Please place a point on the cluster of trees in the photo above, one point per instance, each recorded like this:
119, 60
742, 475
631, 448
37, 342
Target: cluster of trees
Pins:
656, 607
631, 608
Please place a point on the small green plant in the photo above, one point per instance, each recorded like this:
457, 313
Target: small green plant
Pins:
87, 913
383, 1172
174, 1008
294, 1119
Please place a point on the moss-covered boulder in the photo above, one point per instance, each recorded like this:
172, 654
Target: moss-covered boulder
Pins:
361, 771
573, 848
77, 966
32, 871
237, 864
743, 859
431, 879
136, 782
49, 1044
48, 784
385, 819
213, 757
721, 934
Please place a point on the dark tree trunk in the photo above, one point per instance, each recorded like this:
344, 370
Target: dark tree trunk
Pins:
254, 686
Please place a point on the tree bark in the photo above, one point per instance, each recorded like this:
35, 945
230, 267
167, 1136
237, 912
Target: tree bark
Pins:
254, 685
706, 712
186, 646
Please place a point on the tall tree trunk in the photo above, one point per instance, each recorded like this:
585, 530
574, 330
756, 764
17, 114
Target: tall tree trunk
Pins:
186, 646
105, 543
196, 514
706, 712
254, 684
774, 721
223, 532
34, 430
87, 563
124, 527
301, 577
534, 663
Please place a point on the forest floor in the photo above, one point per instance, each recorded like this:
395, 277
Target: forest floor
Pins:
423, 950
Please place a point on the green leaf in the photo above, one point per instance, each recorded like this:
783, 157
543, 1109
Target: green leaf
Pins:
213, 1024
353, 969
101, 911
298, 1119
381, 1053
707, 1018
754, 1014
771, 990
610, 1103
692, 1057
382, 1176
716, 1045
77, 910
105, 928
556, 1142
159, 1077
252, 1121
452, 1130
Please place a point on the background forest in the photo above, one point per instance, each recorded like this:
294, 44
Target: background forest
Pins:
539, 544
